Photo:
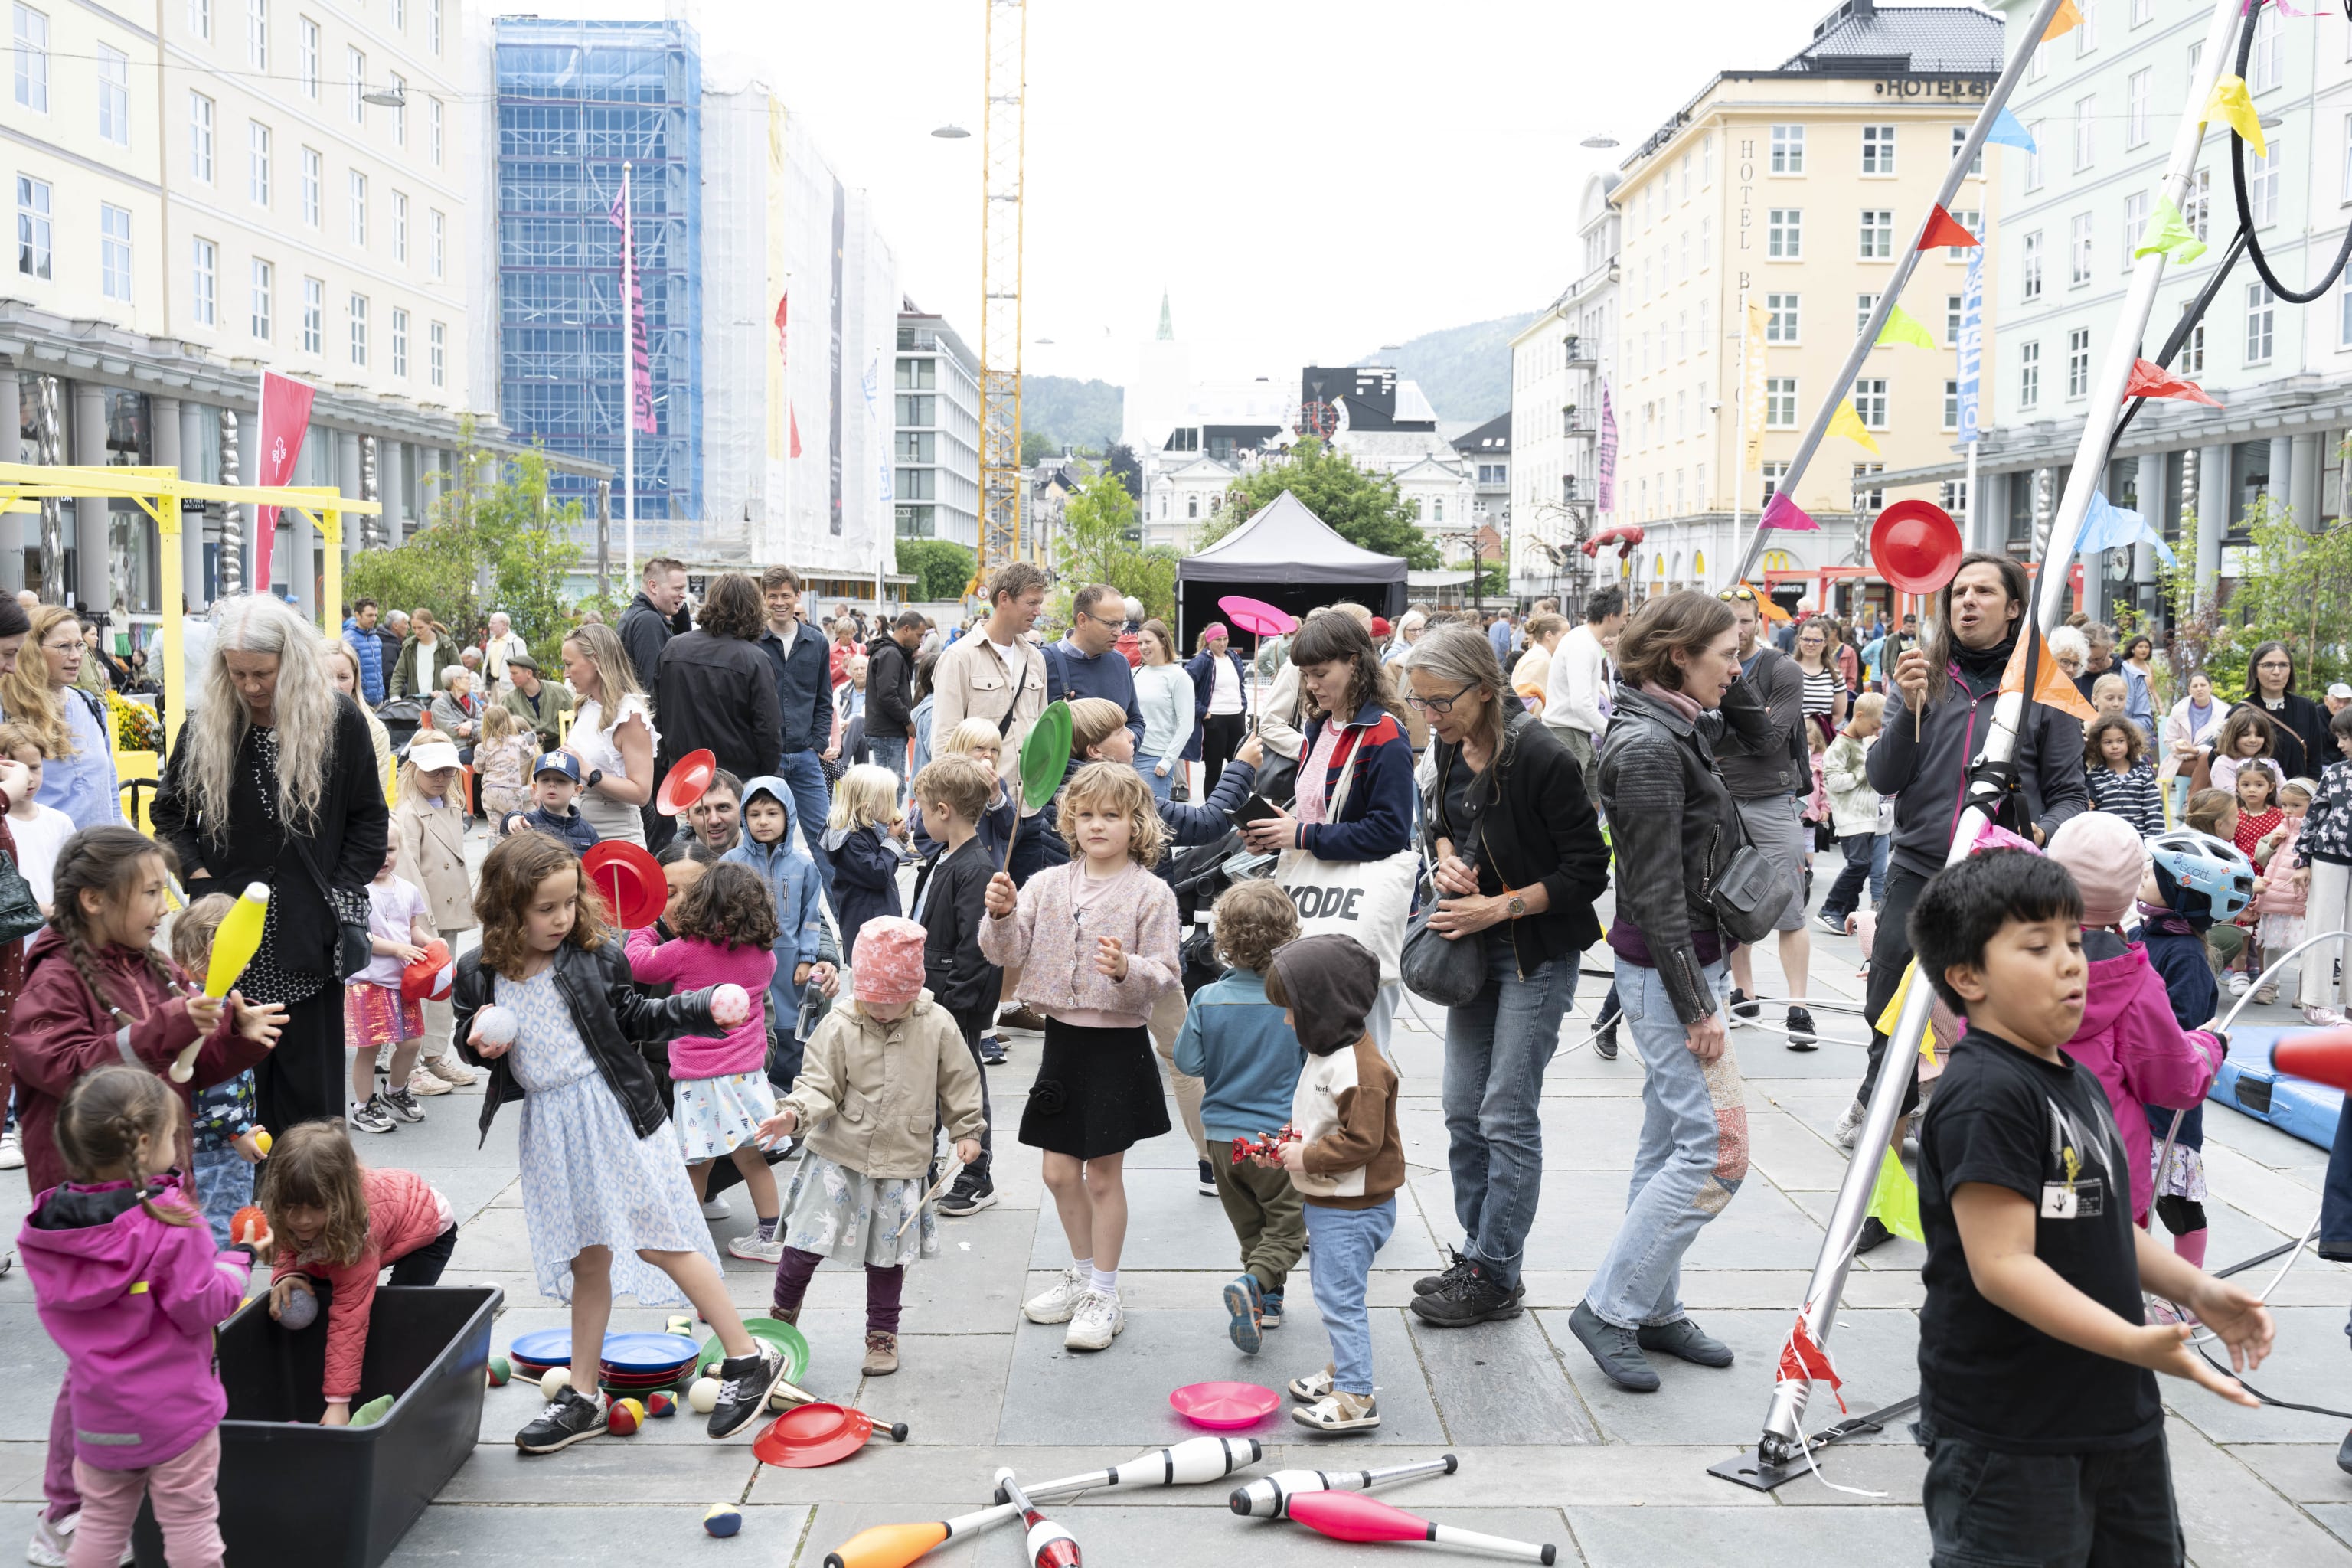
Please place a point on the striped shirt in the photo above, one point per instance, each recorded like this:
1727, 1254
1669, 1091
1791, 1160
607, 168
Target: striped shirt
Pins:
2130, 796
1820, 690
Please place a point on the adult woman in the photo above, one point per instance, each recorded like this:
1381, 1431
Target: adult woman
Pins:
275, 781
2304, 748
46, 694
1221, 687
719, 688
1675, 828
2072, 649
1825, 694
1408, 632
1519, 860
613, 735
1848, 662
1164, 694
2190, 731
1355, 781
15, 629
343, 675
454, 712
427, 653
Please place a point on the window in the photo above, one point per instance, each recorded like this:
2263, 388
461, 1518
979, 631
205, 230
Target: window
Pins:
314, 316
359, 208
2037, 65
2028, 374
358, 329
2078, 362
2261, 314
1972, 220
2134, 224
440, 243
1788, 149
1869, 402
1781, 402
1951, 404
256, 162
1707, 162
435, 119
437, 335
2140, 92
2142, 11
263, 277
114, 252
355, 69
1784, 234
919, 446
1706, 242
310, 32
2086, 33
918, 374
1686, 248
1773, 474
313, 176
918, 409
1682, 414
205, 281
1878, 149
113, 96
2038, 134
1779, 318
432, 33
2078, 249
2199, 204
1952, 319
2086, 129
199, 18
1863, 304
2344, 311
257, 34
200, 138
1701, 326
2346, 196
2030, 265
399, 342
1869, 497
400, 114
1956, 496
400, 15
2265, 71
2262, 181
1877, 234
2192, 353
400, 226
33, 236
1960, 140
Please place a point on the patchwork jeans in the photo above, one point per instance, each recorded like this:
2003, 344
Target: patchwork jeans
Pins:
1496, 1050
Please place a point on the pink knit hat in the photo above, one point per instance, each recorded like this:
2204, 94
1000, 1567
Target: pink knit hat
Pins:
889, 964
2105, 855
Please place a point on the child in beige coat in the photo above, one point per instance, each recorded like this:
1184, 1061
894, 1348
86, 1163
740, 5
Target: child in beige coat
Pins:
428, 831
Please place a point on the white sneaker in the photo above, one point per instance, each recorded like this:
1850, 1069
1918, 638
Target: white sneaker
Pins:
2237, 983
716, 1209
1849, 1126
749, 1247
1098, 1321
450, 1070
12, 1150
423, 1082
2322, 1017
51, 1538
1059, 1302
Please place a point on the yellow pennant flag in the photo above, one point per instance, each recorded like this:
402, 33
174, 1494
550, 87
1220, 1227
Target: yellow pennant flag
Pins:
2234, 106
1894, 1200
2067, 19
1753, 391
2169, 233
1884, 1023
1847, 423
1902, 327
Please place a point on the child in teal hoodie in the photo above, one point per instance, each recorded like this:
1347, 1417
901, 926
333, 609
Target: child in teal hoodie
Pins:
767, 847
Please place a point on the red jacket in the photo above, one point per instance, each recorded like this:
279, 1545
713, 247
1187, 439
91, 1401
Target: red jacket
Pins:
404, 1214
61, 1032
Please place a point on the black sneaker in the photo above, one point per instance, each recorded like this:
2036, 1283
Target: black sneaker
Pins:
375, 1116
1431, 1284
1617, 1352
570, 1417
1474, 1299
1745, 1009
1208, 1180
1873, 1235
1604, 1043
1800, 1030
403, 1106
744, 1384
965, 1198
991, 1051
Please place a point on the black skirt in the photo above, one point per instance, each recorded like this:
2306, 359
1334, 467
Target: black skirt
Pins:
1098, 1092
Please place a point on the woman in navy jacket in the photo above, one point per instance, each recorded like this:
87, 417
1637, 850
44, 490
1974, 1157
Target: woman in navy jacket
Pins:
1216, 737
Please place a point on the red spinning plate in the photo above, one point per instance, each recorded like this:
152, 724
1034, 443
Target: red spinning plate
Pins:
630, 880
1224, 1406
1916, 546
684, 783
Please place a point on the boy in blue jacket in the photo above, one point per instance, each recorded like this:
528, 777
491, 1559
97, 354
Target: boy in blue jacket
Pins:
767, 847
1236, 1041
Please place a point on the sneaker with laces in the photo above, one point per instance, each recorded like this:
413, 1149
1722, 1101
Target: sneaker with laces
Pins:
1057, 1302
752, 1249
2322, 1017
881, 1353
1245, 1303
421, 1082
401, 1106
1340, 1411
452, 1071
744, 1384
1830, 922
969, 1198
1476, 1298
373, 1116
12, 1150
991, 1051
1312, 1385
1800, 1030
1617, 1352
1683, 1339
1269, 1309
1849, 1126
1431, 1284
1744, 1009
1099, 1319
52, 1539
1604, 1042
1208, 1174
570, 1417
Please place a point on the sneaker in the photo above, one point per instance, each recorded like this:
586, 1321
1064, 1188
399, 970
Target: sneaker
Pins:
1800, 1030
1617, 1352
449, 1069
12, 1150
1744, 1008
1246, 1300
403, 1106
570, 1417
1910, 1147
423, 1082
1339, 1411
1313, 1385
1208, 1180
1099, 1319
1683, 1339
1874, 1235
881, 1353
2267, 993
1431, 1284
1849, 1126
751, 1249
1831, 922
52, 1538
1604, 1043
744, 1384
1058, 1300
2322, 1017
373, 1116
964, 1199
991, 1051
716, 1209
1021, 1021
2237, 983
1476, 1298
2342, 1462
1269, 1309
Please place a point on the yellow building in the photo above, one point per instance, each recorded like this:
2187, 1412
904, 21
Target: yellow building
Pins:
1796, 191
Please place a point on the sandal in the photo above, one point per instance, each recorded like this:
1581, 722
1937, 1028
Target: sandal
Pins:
1313, 1385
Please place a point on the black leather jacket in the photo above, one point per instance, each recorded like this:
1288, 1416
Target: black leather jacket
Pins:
609, 1013
1534, 825
1674, 825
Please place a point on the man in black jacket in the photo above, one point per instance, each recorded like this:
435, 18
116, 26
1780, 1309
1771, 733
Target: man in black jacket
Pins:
1766, 786
890, 692
722, 691
650, 621
802, 664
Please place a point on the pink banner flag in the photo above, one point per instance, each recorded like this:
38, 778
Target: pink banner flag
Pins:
1605, 486
1783, 513
285, 418
641, 364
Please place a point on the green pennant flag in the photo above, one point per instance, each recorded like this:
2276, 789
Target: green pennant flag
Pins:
2169, 233
1894, 1200
1902, 327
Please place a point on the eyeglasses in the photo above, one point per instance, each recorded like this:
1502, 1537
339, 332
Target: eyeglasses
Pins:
1438, 704
1737, 596
71, 645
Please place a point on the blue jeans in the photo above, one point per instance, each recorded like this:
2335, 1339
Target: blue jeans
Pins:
1692, 1157
1497, 1048
1161, 783
1342, 1242
224, 1185
1866, 859
804, 776
890, 751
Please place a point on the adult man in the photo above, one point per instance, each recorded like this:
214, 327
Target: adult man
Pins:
1784, 635
538, 706
367, 649
995, 675
1880, 654
1576, 693
890, 692
796, 651
649, 622
1765, 784
502, 646
392, 634
1087, 662
1500, 632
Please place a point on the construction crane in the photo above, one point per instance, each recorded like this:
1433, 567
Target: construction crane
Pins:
1001, 158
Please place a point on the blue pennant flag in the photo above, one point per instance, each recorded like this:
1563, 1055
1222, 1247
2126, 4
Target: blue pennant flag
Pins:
2106, 526
2009, 131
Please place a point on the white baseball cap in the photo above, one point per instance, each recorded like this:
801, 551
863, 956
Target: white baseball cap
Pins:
431, 756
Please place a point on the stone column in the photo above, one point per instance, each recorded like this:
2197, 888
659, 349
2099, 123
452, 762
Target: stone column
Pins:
1992, 512
164, 417
93, 541
192, 416
2212, 514
2302, 488
392, 484
11, 524
2281, 470
2151, 509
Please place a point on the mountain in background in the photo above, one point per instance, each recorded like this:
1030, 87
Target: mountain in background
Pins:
1082, 414
1465, 371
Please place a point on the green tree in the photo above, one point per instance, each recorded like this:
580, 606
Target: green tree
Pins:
1036, 446
1101, 533
2290, 586
941, 568
1362, 507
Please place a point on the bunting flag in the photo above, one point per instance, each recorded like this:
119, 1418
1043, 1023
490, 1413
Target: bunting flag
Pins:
2110, 527
1884, 1022
793, 416
2149, 379
2008, 131
1783, 513
1803, 1360
1847, 423
2067, 19
641, 364
2050, 687
2169, 233
1944, 229
2233, 106
1902, 327
1894, 1200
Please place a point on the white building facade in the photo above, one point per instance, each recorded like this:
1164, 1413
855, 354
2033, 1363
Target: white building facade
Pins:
935, 403
1560, 362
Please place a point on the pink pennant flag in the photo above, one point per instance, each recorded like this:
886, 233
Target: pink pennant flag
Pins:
641, 364
1783, 513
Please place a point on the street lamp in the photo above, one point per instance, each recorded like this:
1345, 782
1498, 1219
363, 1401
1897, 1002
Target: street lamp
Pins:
1599, 142
386, 97
952, 132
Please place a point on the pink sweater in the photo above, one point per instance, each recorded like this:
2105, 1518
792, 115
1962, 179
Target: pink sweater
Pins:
690, 963
1056, 948
405, 1212
2130, 1042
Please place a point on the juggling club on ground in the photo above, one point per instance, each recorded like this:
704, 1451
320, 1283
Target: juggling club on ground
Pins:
1048, 1544
897, 1545
1190, 1462
1351, 1516
1268, 1497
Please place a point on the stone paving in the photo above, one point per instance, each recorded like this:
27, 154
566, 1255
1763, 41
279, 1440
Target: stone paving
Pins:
1549, 1451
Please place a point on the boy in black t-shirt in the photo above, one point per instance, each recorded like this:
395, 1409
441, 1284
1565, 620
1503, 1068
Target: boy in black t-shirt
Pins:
2045, 1440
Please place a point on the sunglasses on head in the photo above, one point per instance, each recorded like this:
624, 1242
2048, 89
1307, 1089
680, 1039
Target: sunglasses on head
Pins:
1738, 595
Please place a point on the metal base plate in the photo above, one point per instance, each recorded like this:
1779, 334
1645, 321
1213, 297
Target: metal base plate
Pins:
1751, 1471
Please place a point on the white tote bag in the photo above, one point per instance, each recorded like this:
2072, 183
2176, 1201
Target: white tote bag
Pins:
1369, 901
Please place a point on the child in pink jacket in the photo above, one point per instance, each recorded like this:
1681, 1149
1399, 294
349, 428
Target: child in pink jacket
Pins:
2129, 1039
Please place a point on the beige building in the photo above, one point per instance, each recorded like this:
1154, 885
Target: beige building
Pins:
1796, 191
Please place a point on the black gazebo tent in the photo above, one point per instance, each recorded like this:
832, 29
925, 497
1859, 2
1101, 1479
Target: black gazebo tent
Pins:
1289, 558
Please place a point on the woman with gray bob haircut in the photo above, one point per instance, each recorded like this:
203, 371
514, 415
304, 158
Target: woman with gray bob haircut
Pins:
274, 781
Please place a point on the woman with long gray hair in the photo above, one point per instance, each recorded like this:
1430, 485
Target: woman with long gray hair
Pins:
274, 781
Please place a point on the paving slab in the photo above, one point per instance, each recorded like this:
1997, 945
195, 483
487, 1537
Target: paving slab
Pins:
1171, 1226
2301, 1472
2227, 1521
588, 1533
1502, 1383
1751, 1538
2307, 1365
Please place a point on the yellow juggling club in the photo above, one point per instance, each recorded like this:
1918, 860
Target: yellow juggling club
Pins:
234, 946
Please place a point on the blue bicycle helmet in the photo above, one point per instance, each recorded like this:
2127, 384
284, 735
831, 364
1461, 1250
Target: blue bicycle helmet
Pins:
2199, 863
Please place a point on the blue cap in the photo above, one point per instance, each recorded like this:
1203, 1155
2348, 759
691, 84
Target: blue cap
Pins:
562, 762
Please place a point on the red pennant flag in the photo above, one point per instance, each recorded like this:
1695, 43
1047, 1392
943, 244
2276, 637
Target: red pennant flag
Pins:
2149, 379
1803, 1359
795, 415
1943, 228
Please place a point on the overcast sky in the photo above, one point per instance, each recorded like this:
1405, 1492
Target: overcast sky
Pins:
1308, 182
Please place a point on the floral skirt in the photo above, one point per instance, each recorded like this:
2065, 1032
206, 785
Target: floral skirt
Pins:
716, 1116
835, 1212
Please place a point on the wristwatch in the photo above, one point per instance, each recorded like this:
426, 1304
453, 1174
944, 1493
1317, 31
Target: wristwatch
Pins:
1517, 907
595, 777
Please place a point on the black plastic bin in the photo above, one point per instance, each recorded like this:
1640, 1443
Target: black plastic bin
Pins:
291, 1489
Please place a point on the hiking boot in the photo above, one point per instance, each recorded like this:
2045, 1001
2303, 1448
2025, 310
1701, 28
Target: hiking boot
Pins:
1617, 1352
1097, 1320
1476, 1298
403, 1106
1339, 1411
881, 1353
1604, 1043
744, 1384
373, 1116
1246, 1300
969, 1198
1849, 1126
1683, 1339
1057, 1302
1744, 1009
570, 1417
1023, 1020
1800, 1030
1431, 1284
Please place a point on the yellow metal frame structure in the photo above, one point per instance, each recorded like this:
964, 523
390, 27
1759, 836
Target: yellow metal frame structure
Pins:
158, 491
1002, 165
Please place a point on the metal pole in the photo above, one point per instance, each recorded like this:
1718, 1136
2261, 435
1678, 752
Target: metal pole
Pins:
1973, 537
604, 537
628, 378
1779, 1443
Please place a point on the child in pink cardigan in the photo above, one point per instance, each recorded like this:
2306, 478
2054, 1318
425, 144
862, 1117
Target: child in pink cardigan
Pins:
727, 928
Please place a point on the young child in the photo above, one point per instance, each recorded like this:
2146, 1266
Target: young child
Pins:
716, 819
1853, 813
972, 738
1248, 1059
376, 1015
129, 1284
2325, 845
2259, 816
2110, 694
951, 902
429, 830
228, 1114
2032, 1342
726, 933
2245, 735
1346, 1162
791, 879
2122, 780
861, 838
1096, 938
2286, 883
40, 831
2174, 925
502, 761
605, 1198
2214, 812
894, 1056
554, 784
336, 1220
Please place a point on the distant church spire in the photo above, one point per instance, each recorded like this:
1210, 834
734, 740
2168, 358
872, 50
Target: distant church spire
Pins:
1167, 326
